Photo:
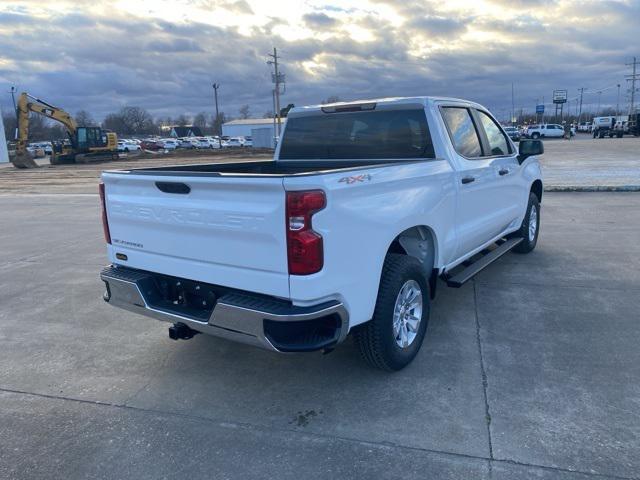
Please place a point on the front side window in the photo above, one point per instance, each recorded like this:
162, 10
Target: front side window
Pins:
375, 134
462, 130
498, 144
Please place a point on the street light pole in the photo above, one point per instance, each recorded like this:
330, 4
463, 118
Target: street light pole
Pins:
618, 103
216, 86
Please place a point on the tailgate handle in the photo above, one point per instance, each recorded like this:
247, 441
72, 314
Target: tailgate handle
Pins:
173, 187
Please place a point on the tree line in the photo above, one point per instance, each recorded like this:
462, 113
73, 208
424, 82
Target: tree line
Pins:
128, 121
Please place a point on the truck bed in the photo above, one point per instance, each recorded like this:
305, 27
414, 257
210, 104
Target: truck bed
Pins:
264, 168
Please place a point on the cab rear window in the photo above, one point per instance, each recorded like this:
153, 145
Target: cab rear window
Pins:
381, 134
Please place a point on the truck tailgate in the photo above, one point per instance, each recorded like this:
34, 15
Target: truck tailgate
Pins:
226, 231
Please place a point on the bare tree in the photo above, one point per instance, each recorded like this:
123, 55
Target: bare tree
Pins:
137, 120
114, 122
268, 114
130, 120
216, 125
244, 111
84, 119
200, 121
182, 120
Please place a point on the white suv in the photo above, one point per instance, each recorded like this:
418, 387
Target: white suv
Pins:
549, 130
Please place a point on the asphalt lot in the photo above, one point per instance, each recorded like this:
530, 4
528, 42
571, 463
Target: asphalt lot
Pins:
531, 371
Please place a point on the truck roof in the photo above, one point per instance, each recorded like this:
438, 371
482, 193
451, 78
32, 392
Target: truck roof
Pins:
388, 101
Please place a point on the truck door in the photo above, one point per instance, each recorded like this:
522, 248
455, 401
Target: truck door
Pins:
480, 212
511, 189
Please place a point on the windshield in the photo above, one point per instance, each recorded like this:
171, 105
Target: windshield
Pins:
386, 134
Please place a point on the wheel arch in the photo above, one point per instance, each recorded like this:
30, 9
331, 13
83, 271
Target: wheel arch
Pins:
420, 242
536, 188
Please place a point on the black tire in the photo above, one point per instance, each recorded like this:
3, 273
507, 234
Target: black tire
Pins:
535, 135
528, 244
375, 339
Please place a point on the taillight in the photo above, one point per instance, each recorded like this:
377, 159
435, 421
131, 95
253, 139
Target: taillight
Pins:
105, 222
304, 245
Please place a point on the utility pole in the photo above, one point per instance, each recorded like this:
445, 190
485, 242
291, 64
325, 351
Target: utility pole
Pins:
618, 103
632, 78
598, 109
13, 97
580, 112
216, 86
277, 80
513, 108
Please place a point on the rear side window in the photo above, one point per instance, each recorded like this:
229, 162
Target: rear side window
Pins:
383, 134
462, 130
498, 144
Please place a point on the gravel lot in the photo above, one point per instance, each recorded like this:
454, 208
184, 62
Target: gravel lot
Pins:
530, 371
583, 163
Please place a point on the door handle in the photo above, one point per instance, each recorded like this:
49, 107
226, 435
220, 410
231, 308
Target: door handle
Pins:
503, 171
466, 180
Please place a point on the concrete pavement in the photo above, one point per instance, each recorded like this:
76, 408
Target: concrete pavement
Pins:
531, 371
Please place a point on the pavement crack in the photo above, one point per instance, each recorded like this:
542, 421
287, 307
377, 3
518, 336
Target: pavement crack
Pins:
317, 435
485, 383
151, 378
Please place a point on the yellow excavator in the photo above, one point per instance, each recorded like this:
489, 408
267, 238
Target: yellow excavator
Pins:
85, 144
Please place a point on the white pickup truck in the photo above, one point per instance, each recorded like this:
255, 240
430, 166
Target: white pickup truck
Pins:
364, 207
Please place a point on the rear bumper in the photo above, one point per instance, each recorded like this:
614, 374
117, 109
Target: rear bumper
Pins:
256, 320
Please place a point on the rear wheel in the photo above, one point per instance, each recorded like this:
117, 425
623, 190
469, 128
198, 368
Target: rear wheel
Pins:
393, 337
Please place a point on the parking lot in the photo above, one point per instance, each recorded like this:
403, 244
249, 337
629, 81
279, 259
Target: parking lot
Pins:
530, 371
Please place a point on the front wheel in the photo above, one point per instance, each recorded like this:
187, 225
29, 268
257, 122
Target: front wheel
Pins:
393, 337
530, 227
535, 135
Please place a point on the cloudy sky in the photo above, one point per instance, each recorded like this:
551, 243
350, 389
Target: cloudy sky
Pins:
164, 55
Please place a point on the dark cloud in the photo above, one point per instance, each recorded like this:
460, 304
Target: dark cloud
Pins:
100, 63
439, 26
319, 20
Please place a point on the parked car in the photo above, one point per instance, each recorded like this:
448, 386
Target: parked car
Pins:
347, 230
35, 150
214, 142
127, 146
169, 144
602, 126
206, 142
549, 130
513, 132
152, 145
248, 142
619, 129
235, 142
187, 143
584, 127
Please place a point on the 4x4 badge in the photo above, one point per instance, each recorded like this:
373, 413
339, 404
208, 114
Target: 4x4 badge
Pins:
355, 179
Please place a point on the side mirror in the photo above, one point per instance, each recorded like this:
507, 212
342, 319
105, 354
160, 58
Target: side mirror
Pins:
528, 148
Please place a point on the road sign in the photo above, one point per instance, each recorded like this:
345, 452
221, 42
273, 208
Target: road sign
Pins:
539, 108
559, 96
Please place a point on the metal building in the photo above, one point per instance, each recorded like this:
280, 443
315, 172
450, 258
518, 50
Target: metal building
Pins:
243, 128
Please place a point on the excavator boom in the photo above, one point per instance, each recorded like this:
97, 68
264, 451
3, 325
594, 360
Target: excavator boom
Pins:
87, 143
27, 104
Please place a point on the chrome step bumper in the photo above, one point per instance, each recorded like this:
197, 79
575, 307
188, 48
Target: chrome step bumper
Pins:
255, 320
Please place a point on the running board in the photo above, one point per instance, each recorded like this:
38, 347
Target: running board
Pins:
476, 267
